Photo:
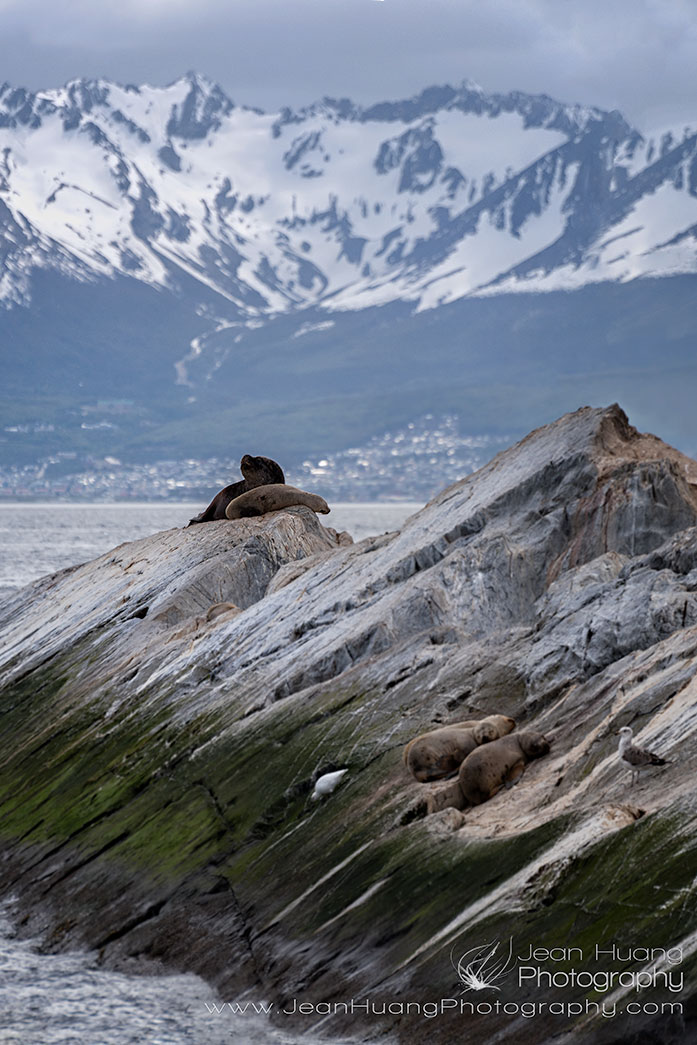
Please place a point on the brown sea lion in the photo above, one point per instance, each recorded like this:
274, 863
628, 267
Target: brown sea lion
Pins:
437, 754
257, 471
271, 498
502, 762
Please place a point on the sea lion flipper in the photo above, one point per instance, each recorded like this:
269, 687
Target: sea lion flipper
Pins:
204, 516
209, 513
513, 775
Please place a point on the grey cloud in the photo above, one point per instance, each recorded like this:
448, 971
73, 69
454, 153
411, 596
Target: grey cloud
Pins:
635, 55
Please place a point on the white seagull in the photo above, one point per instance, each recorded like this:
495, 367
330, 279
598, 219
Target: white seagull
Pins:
637, 758
326, 784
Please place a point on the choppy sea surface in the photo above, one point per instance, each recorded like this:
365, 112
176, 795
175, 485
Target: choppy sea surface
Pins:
36, 539
66, 999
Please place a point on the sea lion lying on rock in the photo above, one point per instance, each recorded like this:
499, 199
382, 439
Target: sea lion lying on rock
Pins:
437, 754
501, 763
272, 498
257, 471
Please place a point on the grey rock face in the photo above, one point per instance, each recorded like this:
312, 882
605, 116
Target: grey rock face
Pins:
179, 740
162, 581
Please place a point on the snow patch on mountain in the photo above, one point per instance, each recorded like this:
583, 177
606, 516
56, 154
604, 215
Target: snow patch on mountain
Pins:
480, 258
651, 240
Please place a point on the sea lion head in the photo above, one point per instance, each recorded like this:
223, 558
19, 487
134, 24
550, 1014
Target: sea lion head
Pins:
485, 732
534, 745
493, 727
261, 471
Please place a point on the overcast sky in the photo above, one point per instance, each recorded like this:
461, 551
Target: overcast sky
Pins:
639, 56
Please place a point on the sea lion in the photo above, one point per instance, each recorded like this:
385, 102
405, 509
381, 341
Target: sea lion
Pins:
437, 754
502, 762
271, 498
257, 471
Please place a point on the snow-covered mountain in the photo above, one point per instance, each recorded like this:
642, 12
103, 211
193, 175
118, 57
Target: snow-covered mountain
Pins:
182, 277
454, 192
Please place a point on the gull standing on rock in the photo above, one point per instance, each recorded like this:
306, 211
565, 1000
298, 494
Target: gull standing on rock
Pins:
637, 758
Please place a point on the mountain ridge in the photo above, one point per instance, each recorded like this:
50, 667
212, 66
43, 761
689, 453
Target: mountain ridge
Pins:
387, 213
232, 271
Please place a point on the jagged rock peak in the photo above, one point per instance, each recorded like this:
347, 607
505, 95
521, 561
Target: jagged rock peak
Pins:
610, 439
538, 110
603, 434
201, 111
204, 103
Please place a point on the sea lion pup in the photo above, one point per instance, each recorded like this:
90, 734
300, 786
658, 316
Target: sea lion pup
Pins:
257, 471
272, 498
502, 762
438, 754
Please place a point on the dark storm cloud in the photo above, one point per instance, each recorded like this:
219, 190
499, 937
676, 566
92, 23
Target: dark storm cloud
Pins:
635, 55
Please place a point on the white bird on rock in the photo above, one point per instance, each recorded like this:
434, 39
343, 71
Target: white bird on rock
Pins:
637, 758
326, 784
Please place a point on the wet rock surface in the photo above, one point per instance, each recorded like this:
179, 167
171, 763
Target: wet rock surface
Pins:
170, 707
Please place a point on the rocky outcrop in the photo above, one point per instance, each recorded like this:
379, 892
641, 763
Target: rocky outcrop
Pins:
170, 706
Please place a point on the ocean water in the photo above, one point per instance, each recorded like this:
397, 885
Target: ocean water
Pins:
66, 999
36, 539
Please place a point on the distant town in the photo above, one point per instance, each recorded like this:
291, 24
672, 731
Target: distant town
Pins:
412, 463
